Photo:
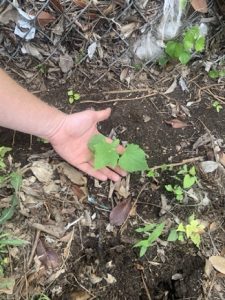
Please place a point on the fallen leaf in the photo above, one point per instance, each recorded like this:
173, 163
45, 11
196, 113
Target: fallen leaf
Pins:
9, 14
81, 295
72, 174
208, 268
32, 50
172, 87
42, 170
200, 5
47, 256
7, 285
66, 63
110, 279
128, 29
175, 123
95, 279
81, 3
165, 207
56, 4
80, 191
120, 212
209, 166
218, 263
44, 18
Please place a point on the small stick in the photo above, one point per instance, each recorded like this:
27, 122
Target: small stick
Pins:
34, 248
145, 286
183, 162
119, 99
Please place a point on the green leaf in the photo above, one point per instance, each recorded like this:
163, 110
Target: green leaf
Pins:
196, 239
143, 251
7, 284
12, 242
163, 61
180, 236
142, 243
184, 57
76, 96
156, 233
172, 48
178, 190
70, 93
7, 213
16, 181
4, 150
146, 228
179, 197
133, 159
173, 236
182, 4
200, 44
96, 139
181, 227
189, 181
192, 171
106, 154
71, 100
169, 188
214, 74
221, 73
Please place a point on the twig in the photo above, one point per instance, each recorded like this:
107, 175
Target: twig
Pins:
119, 99
34, 248
183, 162
127, 91
145, 286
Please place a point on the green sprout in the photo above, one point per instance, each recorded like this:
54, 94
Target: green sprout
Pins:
217, 106
73, 96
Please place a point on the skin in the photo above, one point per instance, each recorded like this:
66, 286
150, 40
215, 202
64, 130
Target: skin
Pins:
68, 134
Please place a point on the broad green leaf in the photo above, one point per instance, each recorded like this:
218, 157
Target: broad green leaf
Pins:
173, 236
7, 285
184, 57
179, 197
192, 171
16, 181
189, 181
142, 243
169, 188
196, 239
182, 4
156, 233
171, 47
180, 236
133, 159
96, 139
70, 93
222, 73
181, 227
106, 154
200, 44
214, 74
179, 50
178, 190
76, 96
146, 228
191, 218
163, 61
71, 100
143, 251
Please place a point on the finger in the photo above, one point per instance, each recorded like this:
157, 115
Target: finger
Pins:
110, 174
102, 115
87, 168
120, 171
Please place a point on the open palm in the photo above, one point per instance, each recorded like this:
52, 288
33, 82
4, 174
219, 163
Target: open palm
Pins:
71, 142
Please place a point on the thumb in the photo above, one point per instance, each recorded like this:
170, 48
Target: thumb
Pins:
102, 115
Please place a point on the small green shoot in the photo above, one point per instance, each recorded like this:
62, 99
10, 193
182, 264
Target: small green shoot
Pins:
133, 159
153, 232
182, 50
152, 173
192, 230
73, 96
3, 151
41, 296
215, 74
217, 106
188, 178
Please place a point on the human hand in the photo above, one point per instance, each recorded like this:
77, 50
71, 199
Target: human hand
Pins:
71, 139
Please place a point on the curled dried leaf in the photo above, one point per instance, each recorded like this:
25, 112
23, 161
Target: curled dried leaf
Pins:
200, 5
218, 263
47, 256
175, 123
44, 18
120, 212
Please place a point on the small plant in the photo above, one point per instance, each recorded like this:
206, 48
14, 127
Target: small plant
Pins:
192, 41
73, 96
40, 297
3, 151
153, 232
152, 173
187, 177
42, 140
215, 74
42, 69
133, 159
217, 106
192, 230
5, 242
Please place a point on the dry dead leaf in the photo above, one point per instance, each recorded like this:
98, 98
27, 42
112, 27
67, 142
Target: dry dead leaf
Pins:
57, 6
110, 279
66, 63
47, 256
218, 263
200, 5
44, 18
208, 268
128, 29
42, 170
95, 279
81, 295
172, 87
80, 3
120, 212
72, 174
175, 123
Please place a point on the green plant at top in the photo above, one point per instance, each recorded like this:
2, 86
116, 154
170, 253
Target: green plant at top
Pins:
192, 41
187, 177
7, 241
217, 106
73, 96
192, 230
133, 158
153, 232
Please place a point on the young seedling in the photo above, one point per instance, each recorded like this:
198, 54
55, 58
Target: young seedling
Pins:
3, 151
187, 177
73, 96
192, 230
215, 74
217, 106
105, 154
153, 232
192, 42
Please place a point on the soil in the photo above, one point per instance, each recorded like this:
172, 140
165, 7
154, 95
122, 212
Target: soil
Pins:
168, 270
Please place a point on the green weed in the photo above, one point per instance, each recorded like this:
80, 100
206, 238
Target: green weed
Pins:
215, 74
73, 96
217, 106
